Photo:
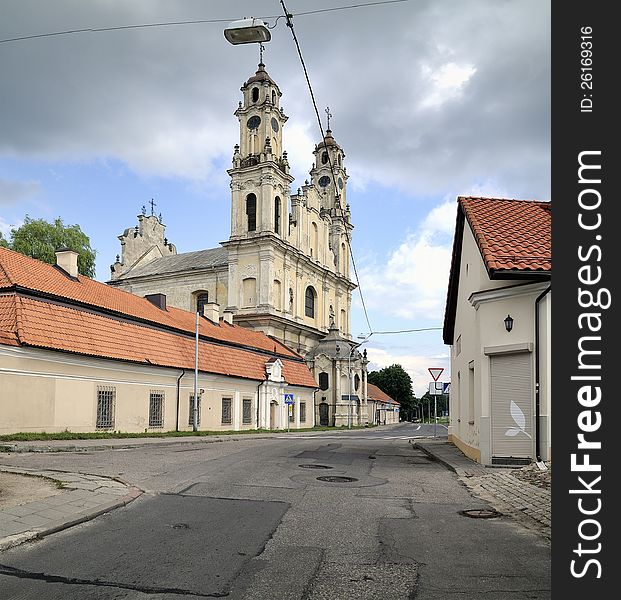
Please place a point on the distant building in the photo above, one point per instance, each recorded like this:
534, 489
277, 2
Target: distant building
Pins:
384, 408
285, 269
497, 322
80, 355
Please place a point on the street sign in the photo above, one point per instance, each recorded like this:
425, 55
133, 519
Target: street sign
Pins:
435, 373
435, 388
288, 398
446, 388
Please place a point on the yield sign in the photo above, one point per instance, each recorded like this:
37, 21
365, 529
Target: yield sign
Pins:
435, 373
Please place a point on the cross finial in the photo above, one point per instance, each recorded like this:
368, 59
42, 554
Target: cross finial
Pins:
261, 48
329, 114
153, 205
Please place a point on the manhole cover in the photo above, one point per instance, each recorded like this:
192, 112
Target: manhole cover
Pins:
180, 526
314, 467
336, 479
480, 513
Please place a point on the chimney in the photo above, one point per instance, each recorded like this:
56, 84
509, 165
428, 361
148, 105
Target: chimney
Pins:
227, 316
158, 300
211, 311
67, 260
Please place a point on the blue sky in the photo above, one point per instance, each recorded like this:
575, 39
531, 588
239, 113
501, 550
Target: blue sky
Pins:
430, 100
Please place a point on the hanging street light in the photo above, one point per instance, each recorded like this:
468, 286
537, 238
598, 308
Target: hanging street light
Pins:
248, 30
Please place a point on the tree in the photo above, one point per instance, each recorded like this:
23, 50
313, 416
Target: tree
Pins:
3, 242
39, 239
395, 382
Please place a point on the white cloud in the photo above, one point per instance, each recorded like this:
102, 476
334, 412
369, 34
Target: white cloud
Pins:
415, 365
412, 283
12, 191
444, 83
5, 228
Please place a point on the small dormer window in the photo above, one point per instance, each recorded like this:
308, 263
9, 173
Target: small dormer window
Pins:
255, 94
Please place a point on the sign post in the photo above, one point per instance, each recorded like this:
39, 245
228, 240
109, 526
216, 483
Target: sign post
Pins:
435, 374
289, 403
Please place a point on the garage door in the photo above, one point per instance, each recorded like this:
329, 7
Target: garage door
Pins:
512, 405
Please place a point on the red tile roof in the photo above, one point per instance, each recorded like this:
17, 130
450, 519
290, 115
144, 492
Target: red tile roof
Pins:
374, 393
511, 234
88, 317
513, 237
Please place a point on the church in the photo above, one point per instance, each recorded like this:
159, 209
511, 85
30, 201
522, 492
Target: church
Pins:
285, 269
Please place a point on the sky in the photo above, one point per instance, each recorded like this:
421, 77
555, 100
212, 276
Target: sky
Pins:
430, 99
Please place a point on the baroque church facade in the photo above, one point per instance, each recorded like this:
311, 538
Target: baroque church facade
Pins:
285, 269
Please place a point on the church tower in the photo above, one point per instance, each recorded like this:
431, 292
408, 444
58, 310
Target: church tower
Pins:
287, 254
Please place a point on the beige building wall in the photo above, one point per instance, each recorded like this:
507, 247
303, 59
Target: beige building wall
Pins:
480, 334
47, 391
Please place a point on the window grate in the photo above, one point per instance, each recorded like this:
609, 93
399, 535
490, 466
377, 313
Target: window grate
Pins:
106, 396
226, 411
247, 411
198, 410
156, 408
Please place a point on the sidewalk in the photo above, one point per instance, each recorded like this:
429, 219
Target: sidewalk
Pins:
83, 497
506, 489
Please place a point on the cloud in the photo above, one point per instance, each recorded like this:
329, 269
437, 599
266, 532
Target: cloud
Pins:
5, 228
12, 191
419, 96
415, 365
412, 283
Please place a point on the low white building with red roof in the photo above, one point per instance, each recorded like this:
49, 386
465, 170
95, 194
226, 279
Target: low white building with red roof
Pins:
80, 355
497, 322
385, 410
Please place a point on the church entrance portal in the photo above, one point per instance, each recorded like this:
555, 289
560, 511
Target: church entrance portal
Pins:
323, 415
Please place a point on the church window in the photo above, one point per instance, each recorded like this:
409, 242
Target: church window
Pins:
251, 211
273, 97
344, 259
315, 240
324, 157
277, 295
356, 381
309, 302
255, 94
323, 381
201, 300
340, 160
277, 215
343, 321
249, 287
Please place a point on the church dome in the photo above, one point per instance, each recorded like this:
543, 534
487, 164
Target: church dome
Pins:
260, 76
329, 141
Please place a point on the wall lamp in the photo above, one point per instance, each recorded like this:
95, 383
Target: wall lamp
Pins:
508, 323
247, 31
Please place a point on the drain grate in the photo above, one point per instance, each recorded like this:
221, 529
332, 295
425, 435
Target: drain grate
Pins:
480, 513
336, 479
314, 467
180, 526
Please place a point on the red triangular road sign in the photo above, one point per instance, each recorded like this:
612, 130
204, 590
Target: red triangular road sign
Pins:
435, 373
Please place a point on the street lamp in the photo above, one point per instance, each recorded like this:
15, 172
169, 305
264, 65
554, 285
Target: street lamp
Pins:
247, 31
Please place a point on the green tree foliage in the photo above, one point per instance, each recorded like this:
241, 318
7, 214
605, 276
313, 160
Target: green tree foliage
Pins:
3, 242
396, 382
39, 239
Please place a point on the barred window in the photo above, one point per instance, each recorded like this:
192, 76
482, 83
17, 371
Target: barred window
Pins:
106, 397
302, 412
226, 411
198, 410
247, 414
156, 408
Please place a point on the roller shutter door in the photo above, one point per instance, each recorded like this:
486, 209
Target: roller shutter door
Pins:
512, 405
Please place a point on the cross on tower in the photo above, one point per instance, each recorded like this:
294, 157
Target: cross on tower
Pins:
261, 48
153, 205
329, 115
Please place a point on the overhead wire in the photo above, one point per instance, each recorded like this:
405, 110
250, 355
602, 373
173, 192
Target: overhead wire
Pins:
288, 17
189, 22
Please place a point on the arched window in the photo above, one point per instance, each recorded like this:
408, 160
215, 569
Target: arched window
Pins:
251, 211
255, 94
323, 381
356, 381
277, 215
201, 300
314, 240
309, 302
274, 97
324, 157
344, 259
340, 161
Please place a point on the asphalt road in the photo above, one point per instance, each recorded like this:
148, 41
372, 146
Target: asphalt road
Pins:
250, 520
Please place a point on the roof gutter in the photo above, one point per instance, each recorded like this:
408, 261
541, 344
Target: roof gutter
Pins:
537, 373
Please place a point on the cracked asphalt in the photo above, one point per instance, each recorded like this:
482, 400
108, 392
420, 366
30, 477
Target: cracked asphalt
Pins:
250, 520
